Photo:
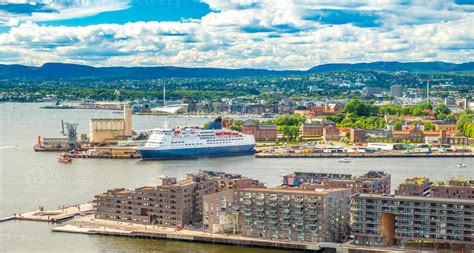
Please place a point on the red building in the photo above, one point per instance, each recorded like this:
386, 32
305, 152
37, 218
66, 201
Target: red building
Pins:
331, 133
261, 132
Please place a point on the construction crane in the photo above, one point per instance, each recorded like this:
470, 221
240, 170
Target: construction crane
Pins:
428, 85
70, 132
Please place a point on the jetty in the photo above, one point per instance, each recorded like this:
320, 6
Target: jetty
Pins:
58, 215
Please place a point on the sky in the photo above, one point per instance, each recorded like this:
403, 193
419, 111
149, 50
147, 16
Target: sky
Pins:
270, 34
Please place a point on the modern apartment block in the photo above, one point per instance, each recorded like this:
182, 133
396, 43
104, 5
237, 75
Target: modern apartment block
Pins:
455, 188
297, 178
171, 204
226, 181
416, 186
371, 182
220, 213
387, 220
320, 215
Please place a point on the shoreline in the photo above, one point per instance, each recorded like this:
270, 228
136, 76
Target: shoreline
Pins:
363, 155
90, 226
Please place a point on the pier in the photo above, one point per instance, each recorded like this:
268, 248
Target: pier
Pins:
363, 155
58, 215
91, 226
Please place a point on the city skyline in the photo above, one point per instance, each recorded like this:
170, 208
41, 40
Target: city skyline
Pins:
234, 34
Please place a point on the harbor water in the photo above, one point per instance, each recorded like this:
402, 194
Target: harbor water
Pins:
31, 179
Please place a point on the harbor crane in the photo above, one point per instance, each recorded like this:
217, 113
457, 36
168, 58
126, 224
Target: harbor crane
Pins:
71, 132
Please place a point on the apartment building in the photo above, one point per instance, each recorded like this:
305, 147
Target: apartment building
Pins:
454, 188
226, 181
320, 215
220, 214
416, 186
388, 220
371, 182
171, 204
297, 178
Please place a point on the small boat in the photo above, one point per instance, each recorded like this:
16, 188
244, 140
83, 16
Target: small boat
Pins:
462, 165
345, 160
63, 158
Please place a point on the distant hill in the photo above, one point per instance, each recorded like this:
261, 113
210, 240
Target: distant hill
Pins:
73, 71
62, 70
396, 66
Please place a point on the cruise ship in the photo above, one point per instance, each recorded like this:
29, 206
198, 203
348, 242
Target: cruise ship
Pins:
195, 142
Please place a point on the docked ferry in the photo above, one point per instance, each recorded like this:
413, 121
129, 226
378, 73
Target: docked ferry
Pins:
194, 142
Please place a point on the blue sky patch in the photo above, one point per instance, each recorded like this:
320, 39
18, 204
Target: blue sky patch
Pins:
339, 17
142, 11
25, 9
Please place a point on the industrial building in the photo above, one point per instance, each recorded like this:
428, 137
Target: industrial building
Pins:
320, 215
388, 220
111, 130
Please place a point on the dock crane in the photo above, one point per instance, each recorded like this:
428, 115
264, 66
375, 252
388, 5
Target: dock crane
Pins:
70, 132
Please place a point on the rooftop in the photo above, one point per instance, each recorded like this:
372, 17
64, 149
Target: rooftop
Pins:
416, 180
417, 198
318, 191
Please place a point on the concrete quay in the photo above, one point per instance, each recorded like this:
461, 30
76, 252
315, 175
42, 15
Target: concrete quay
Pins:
58, 215
91, 226
363, 155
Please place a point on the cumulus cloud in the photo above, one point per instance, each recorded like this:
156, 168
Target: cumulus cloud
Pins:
274, 34
14, 12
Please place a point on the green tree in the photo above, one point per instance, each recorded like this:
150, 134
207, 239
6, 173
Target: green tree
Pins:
466, 127
397, 126
428, 126
288, 120
235, 128
290, 132
356, 108
451, 118
441, 110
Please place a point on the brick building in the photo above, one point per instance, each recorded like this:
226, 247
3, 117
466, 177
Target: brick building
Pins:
416, 186
412, 133
171, 204
357, 135
331, 133
226, 181
454, 188
310, 130
261, 132
371, 182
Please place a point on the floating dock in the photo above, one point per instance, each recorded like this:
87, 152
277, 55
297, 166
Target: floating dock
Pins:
362, 155
57, 215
